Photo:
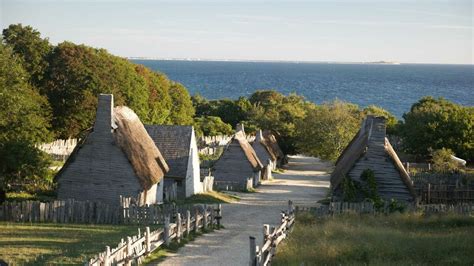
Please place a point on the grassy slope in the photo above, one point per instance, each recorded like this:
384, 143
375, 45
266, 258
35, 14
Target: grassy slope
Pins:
39, 244
399, 239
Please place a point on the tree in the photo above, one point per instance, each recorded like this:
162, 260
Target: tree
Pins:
182, 110
211, 126
391, 120
27, 43
24, 121
77, 74
279, 113
438, 123
443, 162
327, 129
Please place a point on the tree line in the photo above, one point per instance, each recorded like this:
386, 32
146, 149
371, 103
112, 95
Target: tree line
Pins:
50, 91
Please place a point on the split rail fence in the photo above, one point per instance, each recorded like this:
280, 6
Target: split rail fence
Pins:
271, 238
86, 212
134, 249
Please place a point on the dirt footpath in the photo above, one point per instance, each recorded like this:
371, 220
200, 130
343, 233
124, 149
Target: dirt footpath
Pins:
304, 182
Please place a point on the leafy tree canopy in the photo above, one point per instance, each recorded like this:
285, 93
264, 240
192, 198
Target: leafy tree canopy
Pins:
391, 120
27, 43
211, 126
433, 124
327, 129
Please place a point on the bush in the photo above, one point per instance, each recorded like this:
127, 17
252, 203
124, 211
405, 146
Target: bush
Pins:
442, 161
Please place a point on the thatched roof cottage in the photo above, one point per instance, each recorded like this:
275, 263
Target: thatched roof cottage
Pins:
179, 148
239, 167
263, 150
117, 158
370, 149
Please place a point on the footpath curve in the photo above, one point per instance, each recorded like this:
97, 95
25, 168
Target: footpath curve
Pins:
304, 182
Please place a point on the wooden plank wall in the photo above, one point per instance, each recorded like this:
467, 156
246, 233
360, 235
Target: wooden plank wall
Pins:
85, 212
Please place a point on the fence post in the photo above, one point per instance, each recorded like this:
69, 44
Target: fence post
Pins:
196, 220
166, 230
290, 207
204, 225
107, 256
179, 224
188, 222
253, 251
266, 233
219, 215
128, 260
429, 193
147, 239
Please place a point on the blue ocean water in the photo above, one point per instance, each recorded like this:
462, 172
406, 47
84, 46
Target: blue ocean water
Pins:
393, 87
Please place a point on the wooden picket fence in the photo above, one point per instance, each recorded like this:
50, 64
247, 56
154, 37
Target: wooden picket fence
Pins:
271, 238
86, 212
135, 248
336, 208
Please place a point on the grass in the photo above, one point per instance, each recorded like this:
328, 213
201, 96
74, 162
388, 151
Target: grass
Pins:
398, 239
45, 244
23, 195
212, 197
160, 254
278, 171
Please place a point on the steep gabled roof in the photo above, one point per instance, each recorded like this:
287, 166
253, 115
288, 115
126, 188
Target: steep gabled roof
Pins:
262, 148
122, 125
174, 142
359, 145
141, 151
248, 150
272, 144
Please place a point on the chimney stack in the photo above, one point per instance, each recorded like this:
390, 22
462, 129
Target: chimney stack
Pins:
104, 116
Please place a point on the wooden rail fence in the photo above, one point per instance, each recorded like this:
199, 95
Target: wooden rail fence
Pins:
72, 211
271, 238
135, 248
336, 208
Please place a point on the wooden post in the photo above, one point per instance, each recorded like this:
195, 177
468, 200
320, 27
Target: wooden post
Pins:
166, 230
266, 233
204, 224
147, 240
253, 251
429, 194
196, 220
179, 224
188, 222
212, 217
290, 207
219, 215
107, 256
128, 260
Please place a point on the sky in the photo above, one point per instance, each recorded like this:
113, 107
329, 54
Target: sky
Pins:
338, 31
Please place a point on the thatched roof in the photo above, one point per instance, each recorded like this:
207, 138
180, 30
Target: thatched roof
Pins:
262, 148
141, 151
250, 153
174, 143
370, 136
272, 144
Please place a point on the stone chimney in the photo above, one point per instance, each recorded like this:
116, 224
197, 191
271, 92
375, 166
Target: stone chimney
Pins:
104, 116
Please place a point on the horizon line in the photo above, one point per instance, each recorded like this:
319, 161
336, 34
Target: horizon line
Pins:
379, 62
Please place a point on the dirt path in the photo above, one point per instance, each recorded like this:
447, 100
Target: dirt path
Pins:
304, 182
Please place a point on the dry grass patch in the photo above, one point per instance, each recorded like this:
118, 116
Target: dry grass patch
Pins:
398, 239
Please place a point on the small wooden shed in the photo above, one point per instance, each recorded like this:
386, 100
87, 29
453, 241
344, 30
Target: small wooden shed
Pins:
117, 158
263, 150
370, 149
239, 167
179, 148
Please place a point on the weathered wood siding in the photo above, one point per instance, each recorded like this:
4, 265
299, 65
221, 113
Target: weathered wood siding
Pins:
389, 182
233, 165
99, 170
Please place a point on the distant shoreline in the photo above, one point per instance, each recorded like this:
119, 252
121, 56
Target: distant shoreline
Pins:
285, 61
